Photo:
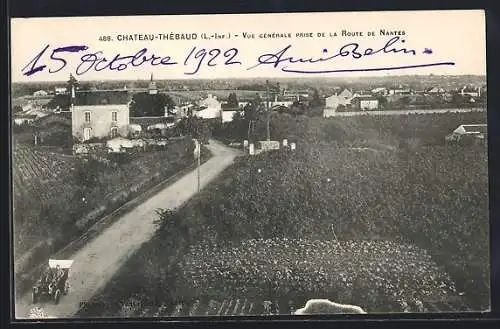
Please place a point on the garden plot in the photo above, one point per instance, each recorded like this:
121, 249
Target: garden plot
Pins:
356, 272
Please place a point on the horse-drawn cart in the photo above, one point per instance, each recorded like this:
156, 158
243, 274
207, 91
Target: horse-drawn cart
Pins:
54, 281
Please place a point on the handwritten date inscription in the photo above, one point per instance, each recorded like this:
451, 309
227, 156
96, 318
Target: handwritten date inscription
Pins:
55, 60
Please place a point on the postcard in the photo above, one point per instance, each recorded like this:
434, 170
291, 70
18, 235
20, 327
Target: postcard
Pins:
238, 165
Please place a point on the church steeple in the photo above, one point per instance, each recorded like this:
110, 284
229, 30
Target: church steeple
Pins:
152, 90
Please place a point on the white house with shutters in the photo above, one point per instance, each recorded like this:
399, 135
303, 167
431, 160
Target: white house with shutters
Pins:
100, 114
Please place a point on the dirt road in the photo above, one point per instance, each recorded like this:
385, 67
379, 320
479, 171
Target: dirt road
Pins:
96, 263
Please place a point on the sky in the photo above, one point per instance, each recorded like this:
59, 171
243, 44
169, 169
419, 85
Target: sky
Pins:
437, 37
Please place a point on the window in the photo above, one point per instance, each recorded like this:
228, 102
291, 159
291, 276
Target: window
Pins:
114, 131
87, 134
87, 116
114, 116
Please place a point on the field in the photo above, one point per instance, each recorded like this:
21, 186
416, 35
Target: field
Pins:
57, 196
389, 183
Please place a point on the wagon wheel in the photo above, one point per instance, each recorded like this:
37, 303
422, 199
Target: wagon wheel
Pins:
57, 295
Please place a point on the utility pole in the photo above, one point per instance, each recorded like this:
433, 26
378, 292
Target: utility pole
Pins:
197, 151
268, 133
199, 164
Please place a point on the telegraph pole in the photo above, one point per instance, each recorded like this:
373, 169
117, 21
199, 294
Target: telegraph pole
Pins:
197, 151
268, 133
199, 164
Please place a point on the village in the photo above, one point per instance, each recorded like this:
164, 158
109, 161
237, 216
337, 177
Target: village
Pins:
212, 175
106, 114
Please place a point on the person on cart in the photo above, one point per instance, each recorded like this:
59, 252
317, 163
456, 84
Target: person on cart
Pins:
59, 273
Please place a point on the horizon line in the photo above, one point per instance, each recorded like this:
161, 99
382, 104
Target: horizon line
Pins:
262, 78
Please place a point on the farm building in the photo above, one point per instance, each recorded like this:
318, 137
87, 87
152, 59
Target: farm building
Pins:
40, 93
333, 102
364, 103
342, 98
436, 90
228, 112
283, 101
470, 91
23, 118
210, 108
151, 123
244, 102
100, 114
60, 90
479, 131
379, 91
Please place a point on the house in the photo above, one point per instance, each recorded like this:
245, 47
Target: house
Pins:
343, 98
243, 103
362, 93
100, 114
283, 100
447, 96
479, 131
435, 90
23, 118
297, 93
381, 91
280, 108
365, 103
60, 90
151, 123
228, 112
182, 110
471, 91
400, 91
210, 108
40, 93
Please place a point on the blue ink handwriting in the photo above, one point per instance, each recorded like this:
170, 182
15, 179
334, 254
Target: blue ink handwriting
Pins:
351, 49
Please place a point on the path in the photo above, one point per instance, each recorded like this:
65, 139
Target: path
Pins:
96, 262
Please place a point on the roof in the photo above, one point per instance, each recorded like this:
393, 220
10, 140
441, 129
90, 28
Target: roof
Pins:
148, 121
102, 97
25, 116
475, 128
228, 107
363, 98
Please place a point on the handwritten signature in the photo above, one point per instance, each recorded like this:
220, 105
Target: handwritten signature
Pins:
196, 58
351, 49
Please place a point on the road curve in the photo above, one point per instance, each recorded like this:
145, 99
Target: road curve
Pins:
96, 262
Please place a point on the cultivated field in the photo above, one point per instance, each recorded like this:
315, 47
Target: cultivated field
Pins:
382, 186
56, 197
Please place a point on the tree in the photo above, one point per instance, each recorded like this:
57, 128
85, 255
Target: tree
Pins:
316, 104
251, 111
146, 105
297, 108
17, 109
232, 100
315, 100
195, 127
382, 102
72, 82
